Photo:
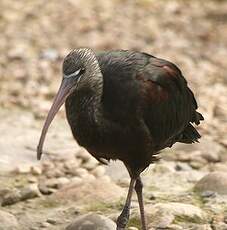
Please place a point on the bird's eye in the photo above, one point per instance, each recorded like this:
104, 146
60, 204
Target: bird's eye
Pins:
82, 70
76, 73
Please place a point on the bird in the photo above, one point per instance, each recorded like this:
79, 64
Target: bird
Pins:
125, 105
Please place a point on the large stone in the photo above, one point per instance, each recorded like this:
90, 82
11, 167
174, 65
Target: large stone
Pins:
163, 215
8, 221
215, 181
100, 190
92, 222
11, 198
30, 192
99, 171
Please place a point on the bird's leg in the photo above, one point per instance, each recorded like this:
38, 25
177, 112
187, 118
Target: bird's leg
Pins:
122, 220
139, 192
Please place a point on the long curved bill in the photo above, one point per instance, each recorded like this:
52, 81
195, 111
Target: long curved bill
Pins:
59, 100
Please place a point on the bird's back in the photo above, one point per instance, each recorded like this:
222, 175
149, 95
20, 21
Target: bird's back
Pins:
141, 86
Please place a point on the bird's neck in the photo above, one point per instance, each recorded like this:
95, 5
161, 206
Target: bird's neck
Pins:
85, 103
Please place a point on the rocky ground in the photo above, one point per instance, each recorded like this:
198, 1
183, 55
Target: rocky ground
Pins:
186, 189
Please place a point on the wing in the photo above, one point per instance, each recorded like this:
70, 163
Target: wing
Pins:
168, 104
121, 89
138, 85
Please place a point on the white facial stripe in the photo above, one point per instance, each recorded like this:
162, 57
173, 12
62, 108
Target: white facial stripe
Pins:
72, 74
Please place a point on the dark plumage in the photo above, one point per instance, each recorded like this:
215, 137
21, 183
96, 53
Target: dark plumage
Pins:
126, 105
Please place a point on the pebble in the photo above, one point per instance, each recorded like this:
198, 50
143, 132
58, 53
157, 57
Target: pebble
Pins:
81, 172
54, 173
207, 194
46, 165
76, 180
68, 165
72, 171
212, 157
61, 181
175, 227
90, 164
32, 179
51, 221
197, 164
84, 155
45, 190
22, 169
45, 225
57, 182
98, 171
92, 222
36, 171
88, 177
16, 53
182, 166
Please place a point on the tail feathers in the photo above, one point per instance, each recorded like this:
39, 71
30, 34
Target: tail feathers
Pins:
189, 135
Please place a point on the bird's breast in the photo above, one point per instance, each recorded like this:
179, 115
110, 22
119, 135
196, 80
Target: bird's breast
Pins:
81, 122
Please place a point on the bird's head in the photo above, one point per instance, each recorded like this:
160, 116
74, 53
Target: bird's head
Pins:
80, 68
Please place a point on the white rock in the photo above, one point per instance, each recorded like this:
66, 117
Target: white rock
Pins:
62, 181
84, 155
75, 163
81, 172
98, 171
35, 170
90, 164
76, 180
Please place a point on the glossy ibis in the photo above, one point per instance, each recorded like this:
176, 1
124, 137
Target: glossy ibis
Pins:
125, 105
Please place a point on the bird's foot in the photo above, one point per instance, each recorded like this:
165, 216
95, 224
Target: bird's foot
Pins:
122, 220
